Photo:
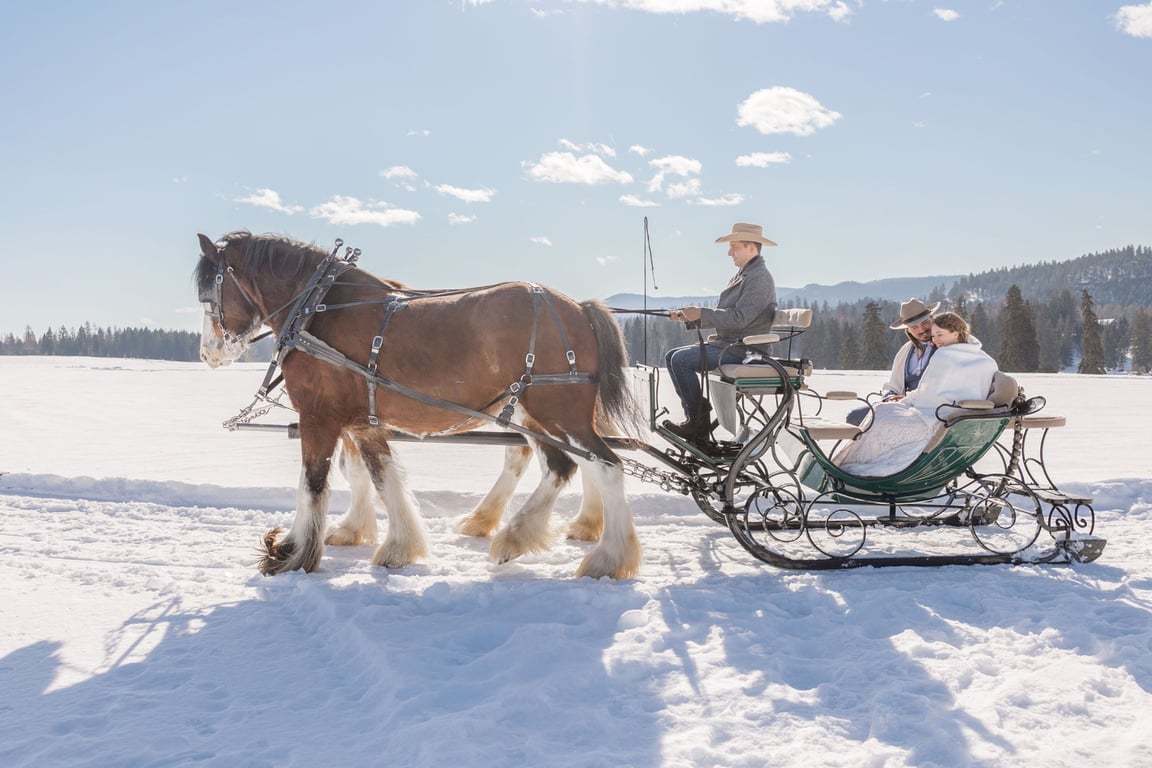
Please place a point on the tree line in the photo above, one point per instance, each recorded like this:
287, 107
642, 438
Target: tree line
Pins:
87, 341
1024, 336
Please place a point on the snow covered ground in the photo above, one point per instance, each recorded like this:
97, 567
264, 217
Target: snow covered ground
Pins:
135, 630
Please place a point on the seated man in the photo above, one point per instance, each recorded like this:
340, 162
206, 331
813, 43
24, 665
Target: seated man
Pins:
746, 307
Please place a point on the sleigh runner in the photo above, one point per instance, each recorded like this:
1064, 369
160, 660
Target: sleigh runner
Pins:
980, 493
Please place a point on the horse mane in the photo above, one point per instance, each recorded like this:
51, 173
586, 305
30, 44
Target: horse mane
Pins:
276, 255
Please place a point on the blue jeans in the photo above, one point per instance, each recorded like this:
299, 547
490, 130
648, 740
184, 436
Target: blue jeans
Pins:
683, 364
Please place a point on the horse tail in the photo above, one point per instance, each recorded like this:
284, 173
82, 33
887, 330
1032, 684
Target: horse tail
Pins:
615, 404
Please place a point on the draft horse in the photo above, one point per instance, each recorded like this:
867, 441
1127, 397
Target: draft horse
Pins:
361, 357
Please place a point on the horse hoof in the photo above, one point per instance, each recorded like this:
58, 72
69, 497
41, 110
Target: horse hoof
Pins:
394, 556
345, 537
476, 526
598, 564
579, 531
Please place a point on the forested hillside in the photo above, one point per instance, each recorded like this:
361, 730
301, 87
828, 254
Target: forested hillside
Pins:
1031, 318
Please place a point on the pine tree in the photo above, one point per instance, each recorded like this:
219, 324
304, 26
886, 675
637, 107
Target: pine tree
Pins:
983, 328
1141, 342
1019, 349
849, 351
874, 353
1091, 345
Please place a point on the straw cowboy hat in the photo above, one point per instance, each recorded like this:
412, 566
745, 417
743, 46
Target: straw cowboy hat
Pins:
746, 233
913, 312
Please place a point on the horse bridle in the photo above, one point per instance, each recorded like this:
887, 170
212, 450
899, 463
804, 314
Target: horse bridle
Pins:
213, 301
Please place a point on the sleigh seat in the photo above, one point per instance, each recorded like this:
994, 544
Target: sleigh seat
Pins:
968, 429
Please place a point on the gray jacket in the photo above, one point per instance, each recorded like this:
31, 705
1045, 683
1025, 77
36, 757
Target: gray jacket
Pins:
746, 307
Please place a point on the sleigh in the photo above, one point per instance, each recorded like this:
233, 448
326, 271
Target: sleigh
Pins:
980, 492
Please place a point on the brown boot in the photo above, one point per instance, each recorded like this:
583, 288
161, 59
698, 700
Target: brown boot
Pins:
694, 429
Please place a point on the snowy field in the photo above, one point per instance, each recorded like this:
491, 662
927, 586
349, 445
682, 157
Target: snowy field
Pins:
135, 630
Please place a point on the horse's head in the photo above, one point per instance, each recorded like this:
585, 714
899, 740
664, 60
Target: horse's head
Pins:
231, 315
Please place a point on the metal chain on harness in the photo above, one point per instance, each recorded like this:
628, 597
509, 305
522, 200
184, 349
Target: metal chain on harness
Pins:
250, 412
665, 480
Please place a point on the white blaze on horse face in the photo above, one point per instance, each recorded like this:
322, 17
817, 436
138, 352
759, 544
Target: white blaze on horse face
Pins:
215, 349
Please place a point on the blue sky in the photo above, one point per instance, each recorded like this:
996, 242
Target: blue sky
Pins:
464, 143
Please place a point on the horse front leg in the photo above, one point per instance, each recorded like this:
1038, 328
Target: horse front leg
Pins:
303, 546
359, 524
406, 541
485, 518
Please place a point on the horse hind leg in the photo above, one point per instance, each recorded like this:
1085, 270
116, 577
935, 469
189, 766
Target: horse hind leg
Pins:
485, 518
618, 554
588, 524
527, 530
359, 524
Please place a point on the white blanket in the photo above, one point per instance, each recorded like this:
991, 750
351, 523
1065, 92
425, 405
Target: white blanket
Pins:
900, 430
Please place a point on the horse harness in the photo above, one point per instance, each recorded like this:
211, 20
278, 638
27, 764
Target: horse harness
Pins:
310, 301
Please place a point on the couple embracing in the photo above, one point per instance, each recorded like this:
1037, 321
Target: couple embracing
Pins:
942, 362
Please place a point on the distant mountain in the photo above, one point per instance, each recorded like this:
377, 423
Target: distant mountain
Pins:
1118, 279
891, 289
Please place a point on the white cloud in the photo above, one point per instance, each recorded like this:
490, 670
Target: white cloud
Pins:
758, 11
599, 149
784, 110
637, 149
459, 218
676, 165
267, 198
1135, 20
348, 210
763, 159
635, 202
919, 124
602, 260
467, 195
540, 241
419, 132
398, 172
727, 200
567, 168
682, 189
946, 14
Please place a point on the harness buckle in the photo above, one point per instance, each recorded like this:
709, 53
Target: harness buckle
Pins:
530, 359
377, 342
374, 421
321, 307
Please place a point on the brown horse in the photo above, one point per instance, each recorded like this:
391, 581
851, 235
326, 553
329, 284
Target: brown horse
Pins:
361, 358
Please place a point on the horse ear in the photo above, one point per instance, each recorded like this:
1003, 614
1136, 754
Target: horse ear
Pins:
208, 248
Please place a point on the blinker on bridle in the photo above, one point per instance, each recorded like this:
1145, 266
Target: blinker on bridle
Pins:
213, 301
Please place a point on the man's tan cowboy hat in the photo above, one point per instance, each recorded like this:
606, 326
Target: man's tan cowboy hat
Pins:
913, 312
746, 233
